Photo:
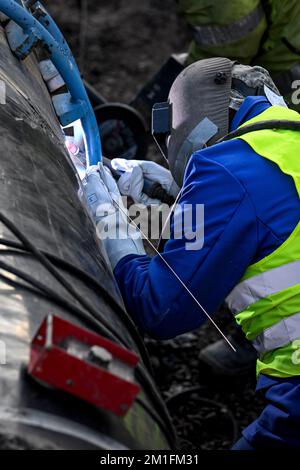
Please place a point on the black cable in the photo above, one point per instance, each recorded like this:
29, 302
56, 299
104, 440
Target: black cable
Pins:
56, 274
50, 268
290, 46
89, 280
262, 126
141, 373
179, 396
56, 298
69, 267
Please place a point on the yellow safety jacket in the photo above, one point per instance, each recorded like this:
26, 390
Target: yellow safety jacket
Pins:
266, 302
258, 32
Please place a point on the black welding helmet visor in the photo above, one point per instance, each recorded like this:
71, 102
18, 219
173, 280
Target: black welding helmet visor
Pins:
196, 114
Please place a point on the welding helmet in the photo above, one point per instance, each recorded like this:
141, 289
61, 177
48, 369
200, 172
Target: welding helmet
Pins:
196, 114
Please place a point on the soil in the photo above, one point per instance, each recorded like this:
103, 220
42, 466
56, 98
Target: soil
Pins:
119, 44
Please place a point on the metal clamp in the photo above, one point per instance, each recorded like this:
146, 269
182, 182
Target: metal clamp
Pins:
91, 367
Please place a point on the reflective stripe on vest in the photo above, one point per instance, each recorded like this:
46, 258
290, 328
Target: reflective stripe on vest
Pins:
278, 335
258, 287
216, 35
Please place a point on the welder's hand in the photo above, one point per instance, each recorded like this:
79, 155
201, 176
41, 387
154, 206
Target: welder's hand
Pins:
101, 191
138, 172
110, 215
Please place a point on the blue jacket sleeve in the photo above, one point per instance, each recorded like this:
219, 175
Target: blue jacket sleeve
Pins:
154, 298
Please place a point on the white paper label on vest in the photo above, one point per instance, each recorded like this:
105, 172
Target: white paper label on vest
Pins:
275, 100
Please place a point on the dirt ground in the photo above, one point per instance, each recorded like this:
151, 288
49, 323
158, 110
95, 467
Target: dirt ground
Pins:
125, 40
119, 44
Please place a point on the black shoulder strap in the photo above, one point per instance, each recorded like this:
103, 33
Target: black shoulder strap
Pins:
261, 126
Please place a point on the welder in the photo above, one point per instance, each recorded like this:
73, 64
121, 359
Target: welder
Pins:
249, 184
260, 32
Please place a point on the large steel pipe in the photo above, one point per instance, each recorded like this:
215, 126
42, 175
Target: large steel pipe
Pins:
40, 194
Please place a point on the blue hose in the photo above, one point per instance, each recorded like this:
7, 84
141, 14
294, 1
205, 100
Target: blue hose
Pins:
63, 60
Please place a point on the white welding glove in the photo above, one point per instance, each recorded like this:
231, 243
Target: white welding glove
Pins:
110, 216
136, 172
